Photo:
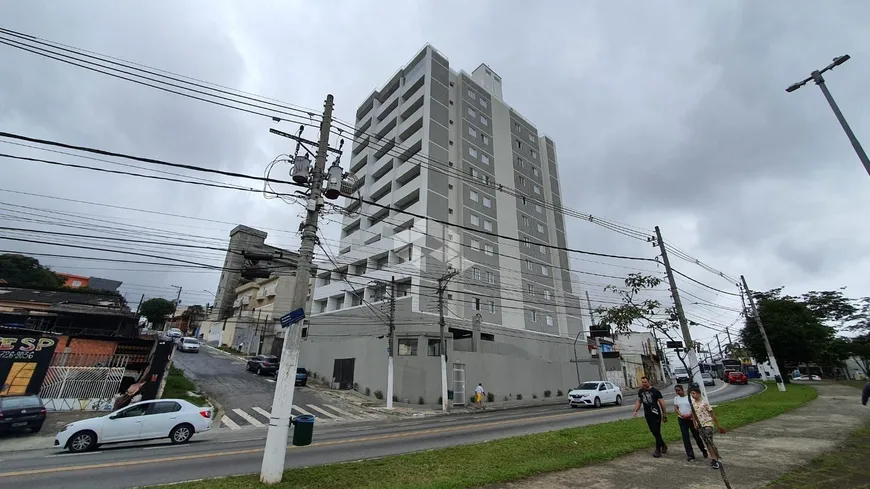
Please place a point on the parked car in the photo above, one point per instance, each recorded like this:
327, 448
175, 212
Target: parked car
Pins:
188, 344
708, 379
21, 413
301, 376
594, 393
809, 377
263, 364
175, 419
737, 377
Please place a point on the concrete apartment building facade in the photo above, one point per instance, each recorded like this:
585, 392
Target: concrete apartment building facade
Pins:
443, 144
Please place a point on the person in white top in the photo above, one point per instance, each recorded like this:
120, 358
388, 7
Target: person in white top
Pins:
683, 408
478, 395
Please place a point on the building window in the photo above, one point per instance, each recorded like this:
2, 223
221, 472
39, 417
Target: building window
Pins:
522, 180
487, 225
477, 303
525, 220
538, 208
484, 159
484, 121
471, 94
489, 249
407, 347
433, 347
540, 228
489, 277
547, 294
472, 151
474, 173
475, 221
475, 244
472, 113
517, 126
519, 144
532, 137
549, 320
535, 170
485, 139
542, 249
521, 162
528, 242
534, 316
487, 202
536, 189
545, 271
472, 132
534, 154
531, 289
528, 264
492, 307
474, 196
482, 102
524, 200
475, 273
486, 179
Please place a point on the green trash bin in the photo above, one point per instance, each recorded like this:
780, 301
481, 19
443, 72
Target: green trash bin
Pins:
449, 395
303, 430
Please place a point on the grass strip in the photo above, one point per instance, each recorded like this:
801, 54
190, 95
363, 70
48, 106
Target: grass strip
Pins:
179, 387
511, 458
843, 468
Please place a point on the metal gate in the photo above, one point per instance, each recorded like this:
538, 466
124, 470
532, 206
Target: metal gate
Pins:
342, 373
458, 384
81, 388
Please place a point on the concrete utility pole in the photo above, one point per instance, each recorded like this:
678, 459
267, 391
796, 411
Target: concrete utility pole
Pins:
681, 315
816, 76
602, 369
721, 355
175, 307
390, 343
780, 384
442, 285
279, 419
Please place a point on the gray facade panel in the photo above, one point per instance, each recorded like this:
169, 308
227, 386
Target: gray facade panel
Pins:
437, 58
436, 207
440, 114
438, 157
438, 134
566, 281
439, 92
440, 72
438, 183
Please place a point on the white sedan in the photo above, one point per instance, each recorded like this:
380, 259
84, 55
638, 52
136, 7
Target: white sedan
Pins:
175, 419
595, 393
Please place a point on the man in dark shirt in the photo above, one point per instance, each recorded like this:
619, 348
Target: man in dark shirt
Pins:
654, 411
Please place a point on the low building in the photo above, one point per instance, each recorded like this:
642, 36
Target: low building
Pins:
63, 312
94, 283
639, 356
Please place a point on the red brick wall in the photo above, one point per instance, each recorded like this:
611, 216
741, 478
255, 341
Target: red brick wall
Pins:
88, 347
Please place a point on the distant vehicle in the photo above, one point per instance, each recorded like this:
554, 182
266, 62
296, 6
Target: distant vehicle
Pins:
594, 393
21, 413
263, 364
301, 376
735, 377
174, 333
681, 375
809, 377
726, 373
175, 419
708, 379
188, 344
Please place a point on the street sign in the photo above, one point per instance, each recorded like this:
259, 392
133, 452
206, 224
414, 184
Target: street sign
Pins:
292, 317
674, 344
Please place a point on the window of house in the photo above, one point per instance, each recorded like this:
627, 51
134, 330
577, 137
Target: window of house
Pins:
549, 320
542, 249
517, 126
528, 264
477, 303
530, 288
489, 249
532, 138
538, 208
536, 189
475, 173
472, 151
472, 132
522, 180
528, 242
475, 220
474, 195
535, 170
472, 113
487, 225
490, 277
475, 244
547, 294
484, 121
545, 271
521, 162
482, 102
484, 159
492, 307
485, 139
525, 220
486, 179
487, 202
433, 347
540, 228
471, 94
475, 273
407, 347
519, 144
524, 200
534, 154
534, 316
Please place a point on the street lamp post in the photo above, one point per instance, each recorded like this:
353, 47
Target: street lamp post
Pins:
816, 76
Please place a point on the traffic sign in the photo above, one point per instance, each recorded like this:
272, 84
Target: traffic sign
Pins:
292, 317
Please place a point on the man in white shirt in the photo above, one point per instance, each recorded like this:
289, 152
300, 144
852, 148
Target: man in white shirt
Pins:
683, 408
478, 395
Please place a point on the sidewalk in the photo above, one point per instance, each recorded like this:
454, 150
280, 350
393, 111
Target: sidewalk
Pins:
754, 455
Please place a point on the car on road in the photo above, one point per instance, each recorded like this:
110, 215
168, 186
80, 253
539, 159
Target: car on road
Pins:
594, 393
808, 377
21, 413
301, 377
708, 379
681, 375
263, 364
188, 344
174, 333
736, 377
175, 419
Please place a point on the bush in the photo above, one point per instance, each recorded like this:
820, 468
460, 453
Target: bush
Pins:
534, 396
379, 394
368, 391
472, 400
559, 393
490, 397
548, 393
395, 398
519, 397
421, 401
505, 398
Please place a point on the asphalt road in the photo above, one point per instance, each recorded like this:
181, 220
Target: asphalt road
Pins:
229, 453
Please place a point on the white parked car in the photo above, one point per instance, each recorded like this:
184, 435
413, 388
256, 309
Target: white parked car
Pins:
188, 344
594, 393
175, 419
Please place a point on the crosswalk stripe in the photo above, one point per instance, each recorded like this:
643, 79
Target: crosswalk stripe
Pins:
247, 417
225, 420
262, 411
343, 413
300, 410
322, 411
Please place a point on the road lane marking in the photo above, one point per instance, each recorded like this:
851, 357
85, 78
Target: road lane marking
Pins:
322, 411
343, 413
262, 411
226, 421
300, 410
247, 417
249, 451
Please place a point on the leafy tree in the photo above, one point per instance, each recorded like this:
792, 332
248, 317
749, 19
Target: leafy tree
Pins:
860, 321
830, 306
25, 271
859, 348
155, 310
194, 312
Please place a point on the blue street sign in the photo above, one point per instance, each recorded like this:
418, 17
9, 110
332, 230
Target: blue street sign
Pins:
292, 317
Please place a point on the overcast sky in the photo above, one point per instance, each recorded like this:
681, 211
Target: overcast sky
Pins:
671, 114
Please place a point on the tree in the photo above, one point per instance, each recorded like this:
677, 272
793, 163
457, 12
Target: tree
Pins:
859, 348
830, 306
155, 310
860, 321
25, 271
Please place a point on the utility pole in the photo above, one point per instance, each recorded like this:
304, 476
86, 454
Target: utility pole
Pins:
681, 316
279, 420
390, 342
442, 285
780, 384
728, 334
721, 356
602, 369
175, 307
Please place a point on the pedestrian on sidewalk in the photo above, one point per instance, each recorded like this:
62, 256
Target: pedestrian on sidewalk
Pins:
705, 420
683, 408
654, 411
478, 396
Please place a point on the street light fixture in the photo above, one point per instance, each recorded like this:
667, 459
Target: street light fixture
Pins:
816, 76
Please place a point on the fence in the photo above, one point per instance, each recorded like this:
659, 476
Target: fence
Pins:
76, 382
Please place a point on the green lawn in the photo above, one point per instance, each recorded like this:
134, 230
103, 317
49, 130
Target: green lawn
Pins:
859, 384
512, 458
178, 387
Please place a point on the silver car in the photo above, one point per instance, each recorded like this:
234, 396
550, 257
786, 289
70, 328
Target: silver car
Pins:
708, 379
188, 344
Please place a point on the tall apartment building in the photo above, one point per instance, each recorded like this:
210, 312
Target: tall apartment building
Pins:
443, 144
